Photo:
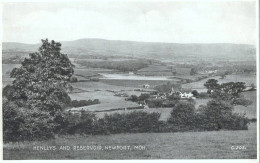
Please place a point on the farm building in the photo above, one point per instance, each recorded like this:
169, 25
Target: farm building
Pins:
146, 86
183, 93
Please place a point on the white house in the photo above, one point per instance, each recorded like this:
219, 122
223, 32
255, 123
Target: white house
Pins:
183, 94
146, 86
186, 95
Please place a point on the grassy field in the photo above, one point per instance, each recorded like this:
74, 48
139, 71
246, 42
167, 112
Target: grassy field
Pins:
135, 83
103, 92
248, 79
186, 145
92, 86
250, 110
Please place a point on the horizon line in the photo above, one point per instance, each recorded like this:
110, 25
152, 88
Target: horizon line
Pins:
130, 41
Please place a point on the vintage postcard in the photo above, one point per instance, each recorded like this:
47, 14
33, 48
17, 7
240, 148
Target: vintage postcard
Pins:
130, 80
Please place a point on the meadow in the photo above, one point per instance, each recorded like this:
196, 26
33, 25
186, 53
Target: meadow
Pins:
103, 92
135, 83
246, 78
180, 145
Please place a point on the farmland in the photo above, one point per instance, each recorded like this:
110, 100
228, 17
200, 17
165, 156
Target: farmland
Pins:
127, 76
199, 85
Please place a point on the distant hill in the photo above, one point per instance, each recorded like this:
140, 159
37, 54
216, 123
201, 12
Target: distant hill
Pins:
153, 50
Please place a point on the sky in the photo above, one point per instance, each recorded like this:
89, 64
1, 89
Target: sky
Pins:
154, 21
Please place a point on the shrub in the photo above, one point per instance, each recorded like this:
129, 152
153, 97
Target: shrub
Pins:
242, 101
203, 95
155, 103
167, 87
133, 122
253, 120
73, 79
143, 97
76, 103
79, 123
219, 115
195, 93
182, 114
26, 124
134, 98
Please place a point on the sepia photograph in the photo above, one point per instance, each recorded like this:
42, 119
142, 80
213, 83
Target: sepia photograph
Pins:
130, 80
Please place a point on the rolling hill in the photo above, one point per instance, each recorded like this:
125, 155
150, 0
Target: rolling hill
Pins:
153, 50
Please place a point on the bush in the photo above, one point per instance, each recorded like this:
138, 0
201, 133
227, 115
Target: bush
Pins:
195, 93
253, 120
73, 79
76, 103
21, 124
242, 101
167, 88
143, 97
133, 122
203, 95
155, 103
219, 115
134, 98
182, 114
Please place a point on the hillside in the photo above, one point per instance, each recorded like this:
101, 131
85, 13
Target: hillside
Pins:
162, 51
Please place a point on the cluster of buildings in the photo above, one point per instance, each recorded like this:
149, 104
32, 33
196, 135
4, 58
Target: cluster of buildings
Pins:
184, 94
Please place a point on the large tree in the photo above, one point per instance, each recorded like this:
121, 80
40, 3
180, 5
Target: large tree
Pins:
230, 92
42, 80
33, 104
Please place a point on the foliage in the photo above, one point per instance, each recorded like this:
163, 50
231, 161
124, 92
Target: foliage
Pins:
155, 103
174, 97
230, 91
218, 115
203, 95
193, 71
195, 93
87, 123
211, 85
80, 103
242, 101
73, 79
182, 114
82, 123
133, 122
134, 98
23, 124
166, 88
143, 97
33, 103
41, 81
